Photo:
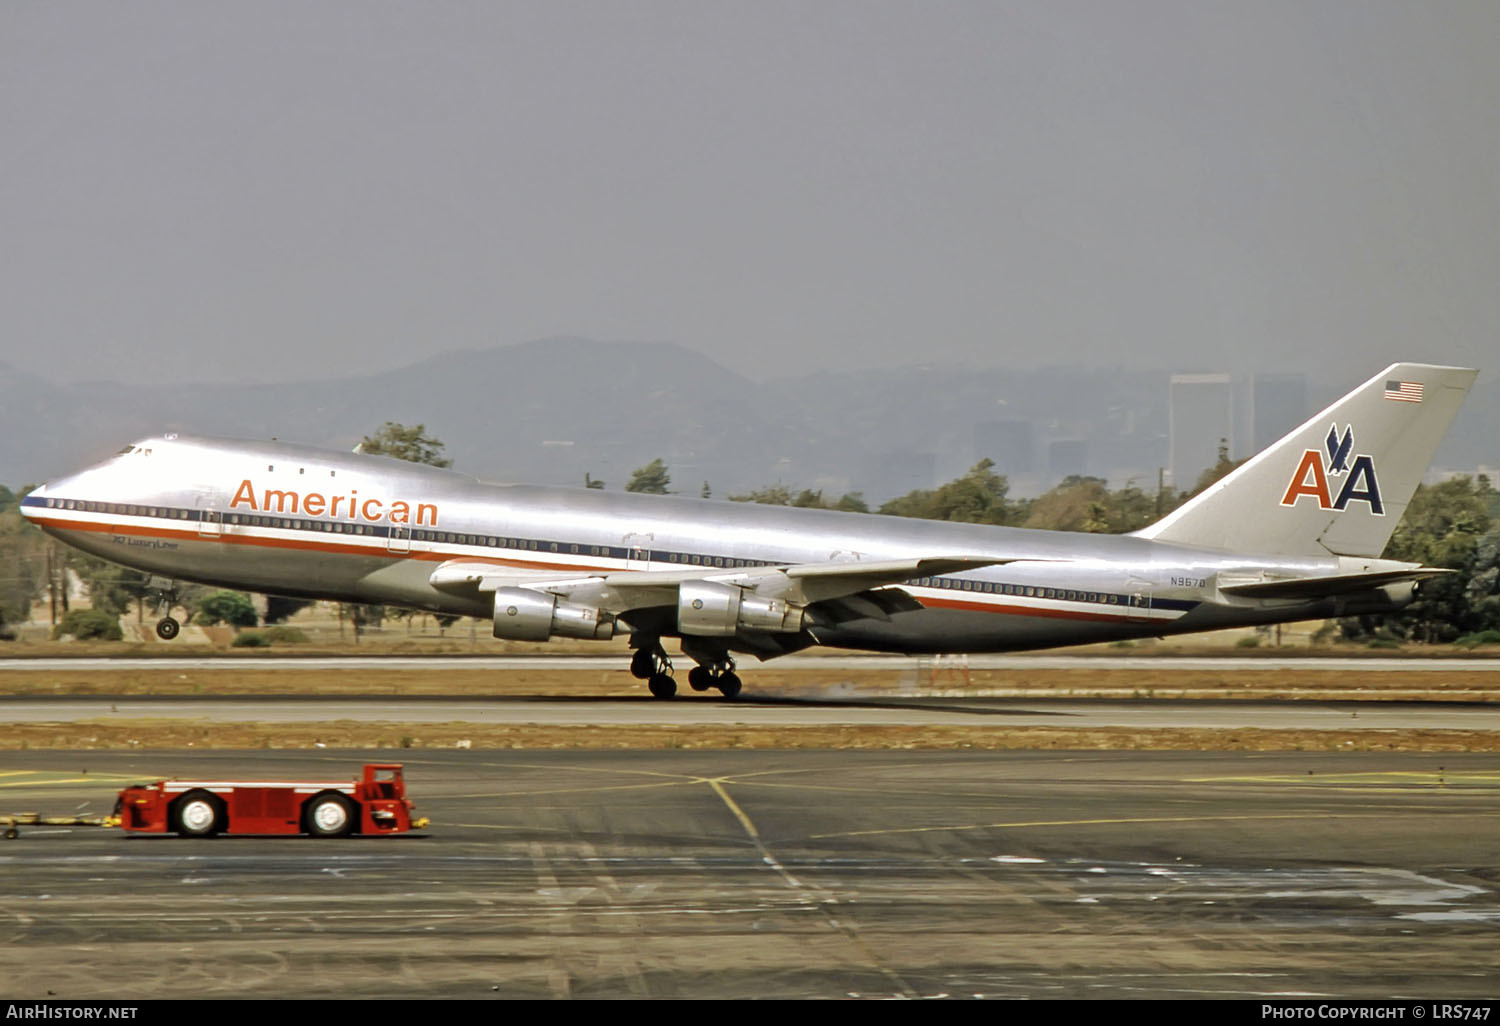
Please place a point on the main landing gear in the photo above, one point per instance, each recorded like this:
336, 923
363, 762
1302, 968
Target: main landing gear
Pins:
715, 669
651, 665
719, 675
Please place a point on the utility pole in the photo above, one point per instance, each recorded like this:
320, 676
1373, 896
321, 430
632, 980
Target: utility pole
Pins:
51, 583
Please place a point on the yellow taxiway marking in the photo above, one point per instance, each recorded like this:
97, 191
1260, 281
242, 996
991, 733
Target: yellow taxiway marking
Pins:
811, 894
40, 778
580, 789
1430, 778
1021, 824
717, 783
529, 828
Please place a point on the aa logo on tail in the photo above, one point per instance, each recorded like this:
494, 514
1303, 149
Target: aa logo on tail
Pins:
1313, 478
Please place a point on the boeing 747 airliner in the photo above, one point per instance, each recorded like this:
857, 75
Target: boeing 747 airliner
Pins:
1295, 533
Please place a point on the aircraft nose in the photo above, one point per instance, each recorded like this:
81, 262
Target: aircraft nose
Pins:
33, 499
42, 497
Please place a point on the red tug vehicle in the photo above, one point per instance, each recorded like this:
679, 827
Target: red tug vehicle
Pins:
374, 803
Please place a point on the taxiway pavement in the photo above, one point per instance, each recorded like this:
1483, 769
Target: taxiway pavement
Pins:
709, 874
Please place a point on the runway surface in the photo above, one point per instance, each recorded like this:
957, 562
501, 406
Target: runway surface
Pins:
830, 661
713, 710
780, 874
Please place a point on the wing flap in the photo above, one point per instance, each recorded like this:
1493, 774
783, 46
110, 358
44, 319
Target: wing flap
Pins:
876, 604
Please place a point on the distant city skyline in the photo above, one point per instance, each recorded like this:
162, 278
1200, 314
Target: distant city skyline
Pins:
277, 191
555, 410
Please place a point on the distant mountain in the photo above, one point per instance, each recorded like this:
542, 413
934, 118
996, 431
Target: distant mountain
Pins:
551, 410
546, 411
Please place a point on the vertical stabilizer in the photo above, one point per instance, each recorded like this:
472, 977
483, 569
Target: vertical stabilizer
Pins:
1339, 483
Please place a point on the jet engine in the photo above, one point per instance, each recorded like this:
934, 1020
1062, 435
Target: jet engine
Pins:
708, 608
522, 614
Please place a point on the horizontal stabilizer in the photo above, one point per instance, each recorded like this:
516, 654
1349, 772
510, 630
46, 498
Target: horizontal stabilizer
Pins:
1306, 588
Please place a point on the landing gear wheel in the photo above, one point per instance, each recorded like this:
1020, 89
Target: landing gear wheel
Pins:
197, 814
729, 684
167, 628
700, 679
643, 663
662, 686
329, 815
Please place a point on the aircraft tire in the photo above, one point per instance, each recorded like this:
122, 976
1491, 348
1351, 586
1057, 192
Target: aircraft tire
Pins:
643, 664
662, 686
167, 628
729, 684
699, 679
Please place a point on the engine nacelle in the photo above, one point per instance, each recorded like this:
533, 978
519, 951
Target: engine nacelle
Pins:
711, 609
525, 615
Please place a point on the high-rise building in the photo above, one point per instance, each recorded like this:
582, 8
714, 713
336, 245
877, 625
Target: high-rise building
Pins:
1011, 444
898, 471
1066, 457
1278, 403
1202, 417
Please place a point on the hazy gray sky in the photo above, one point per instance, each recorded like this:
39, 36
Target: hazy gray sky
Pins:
270, 190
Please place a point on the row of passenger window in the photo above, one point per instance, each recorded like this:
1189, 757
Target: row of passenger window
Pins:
340, 527
510, 543
118, 508
329, 526
1028, 591
684, 558
607, 551
729, 562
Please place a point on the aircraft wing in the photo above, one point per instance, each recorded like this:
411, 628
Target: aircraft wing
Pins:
621, 590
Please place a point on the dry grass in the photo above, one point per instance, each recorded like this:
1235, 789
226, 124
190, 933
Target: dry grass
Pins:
1162, 682
164, 734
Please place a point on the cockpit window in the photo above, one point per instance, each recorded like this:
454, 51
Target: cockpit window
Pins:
126, 451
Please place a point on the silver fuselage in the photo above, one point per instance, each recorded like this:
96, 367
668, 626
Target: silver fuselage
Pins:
293, 520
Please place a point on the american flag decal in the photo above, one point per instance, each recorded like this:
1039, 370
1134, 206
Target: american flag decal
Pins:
1404, 391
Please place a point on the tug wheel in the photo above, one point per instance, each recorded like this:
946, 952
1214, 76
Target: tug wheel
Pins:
329, 815
197, 814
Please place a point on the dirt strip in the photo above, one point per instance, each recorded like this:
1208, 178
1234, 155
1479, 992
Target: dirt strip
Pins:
162, 734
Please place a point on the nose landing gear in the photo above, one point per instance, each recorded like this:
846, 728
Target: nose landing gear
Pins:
165, 594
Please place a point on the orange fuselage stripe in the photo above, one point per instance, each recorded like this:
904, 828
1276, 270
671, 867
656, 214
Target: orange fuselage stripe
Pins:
255, 541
